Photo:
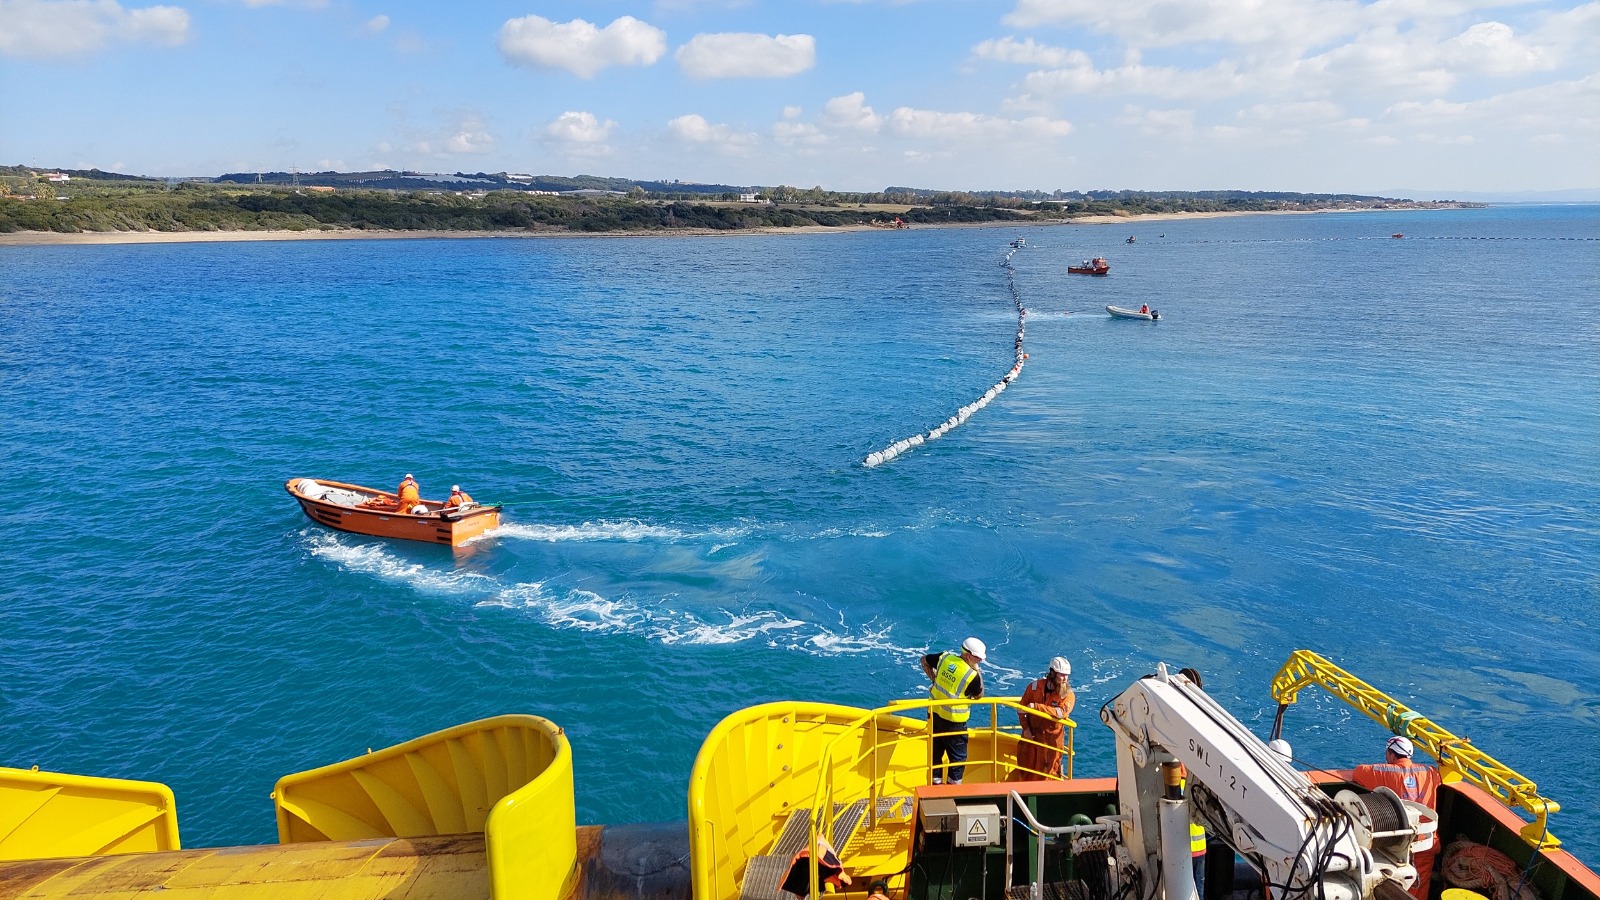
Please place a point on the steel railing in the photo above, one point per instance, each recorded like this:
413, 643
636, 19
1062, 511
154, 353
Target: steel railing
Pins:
824, 799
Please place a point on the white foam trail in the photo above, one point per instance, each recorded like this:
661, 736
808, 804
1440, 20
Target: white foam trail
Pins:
584, 610
607, 530
377, 560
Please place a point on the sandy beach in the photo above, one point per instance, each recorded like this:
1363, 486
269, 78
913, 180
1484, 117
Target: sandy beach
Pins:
51, 238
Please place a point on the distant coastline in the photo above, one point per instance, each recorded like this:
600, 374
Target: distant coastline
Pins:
91, 238
95, 207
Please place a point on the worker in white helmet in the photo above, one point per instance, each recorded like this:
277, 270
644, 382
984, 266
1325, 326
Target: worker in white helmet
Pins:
458, 498
955, 676
1044, 736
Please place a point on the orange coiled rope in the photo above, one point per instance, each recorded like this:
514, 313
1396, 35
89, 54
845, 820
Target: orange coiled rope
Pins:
1485, 870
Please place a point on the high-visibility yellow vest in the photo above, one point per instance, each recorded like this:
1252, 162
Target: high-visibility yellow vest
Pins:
1197, 833
950, 681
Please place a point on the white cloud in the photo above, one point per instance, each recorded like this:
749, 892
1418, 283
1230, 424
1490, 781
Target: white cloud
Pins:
56, 29
580, 47
1161, 81
581, 133
470, 137
736, 55
1164, 23
851, 111
1305, 112
937, 125
1010, 50
798, 134
1164, 122
376, 25
1493, 48
694, 129
467, 135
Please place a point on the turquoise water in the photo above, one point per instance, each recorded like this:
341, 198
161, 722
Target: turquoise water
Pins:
1383, 450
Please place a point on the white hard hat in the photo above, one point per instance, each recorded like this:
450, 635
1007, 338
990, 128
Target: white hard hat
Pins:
455, 487
407, 478
1060, 665
975, 647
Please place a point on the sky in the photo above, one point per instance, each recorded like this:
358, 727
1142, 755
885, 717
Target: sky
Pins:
1427, 96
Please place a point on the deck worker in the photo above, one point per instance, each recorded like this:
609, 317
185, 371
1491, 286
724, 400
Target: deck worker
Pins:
1412, 781
458, 497
1197, 833
1044, 740
955, 676
1144, 309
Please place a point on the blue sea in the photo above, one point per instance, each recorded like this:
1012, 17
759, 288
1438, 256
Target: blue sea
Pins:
1384, 450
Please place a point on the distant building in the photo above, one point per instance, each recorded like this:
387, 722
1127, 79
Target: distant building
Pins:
319, 188
752, 198
57, 177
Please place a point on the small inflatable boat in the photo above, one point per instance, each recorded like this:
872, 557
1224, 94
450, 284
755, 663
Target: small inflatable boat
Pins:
1118, 312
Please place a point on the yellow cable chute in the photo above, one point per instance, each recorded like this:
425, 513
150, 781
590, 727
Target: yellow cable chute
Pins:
1458, 759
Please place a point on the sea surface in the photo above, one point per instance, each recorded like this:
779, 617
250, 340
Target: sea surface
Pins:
1384, 450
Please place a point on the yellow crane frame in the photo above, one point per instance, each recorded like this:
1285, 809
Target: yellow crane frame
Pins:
1458, 759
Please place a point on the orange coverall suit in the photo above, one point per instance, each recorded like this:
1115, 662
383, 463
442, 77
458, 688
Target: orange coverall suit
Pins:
1043, 759
1412, 782
409, 495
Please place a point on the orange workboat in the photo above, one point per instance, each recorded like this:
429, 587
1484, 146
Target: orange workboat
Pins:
343, 506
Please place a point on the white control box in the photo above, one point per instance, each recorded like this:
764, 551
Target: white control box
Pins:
977, 825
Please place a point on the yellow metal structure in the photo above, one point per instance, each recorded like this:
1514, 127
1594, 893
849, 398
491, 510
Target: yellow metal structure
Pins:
435, 868
763, 765
509, 777
1458, 759
48, 814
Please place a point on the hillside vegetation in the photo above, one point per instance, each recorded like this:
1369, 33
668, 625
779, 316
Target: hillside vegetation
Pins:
98, 201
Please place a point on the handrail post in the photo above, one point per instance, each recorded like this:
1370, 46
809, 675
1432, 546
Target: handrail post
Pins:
994, 740
877, 793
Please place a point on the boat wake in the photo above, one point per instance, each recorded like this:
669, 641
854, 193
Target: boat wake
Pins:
584, 610
607, 530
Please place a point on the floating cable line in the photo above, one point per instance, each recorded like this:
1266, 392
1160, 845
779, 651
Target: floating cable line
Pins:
905, 445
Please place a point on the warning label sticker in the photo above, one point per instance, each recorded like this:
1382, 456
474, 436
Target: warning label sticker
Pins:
976, 831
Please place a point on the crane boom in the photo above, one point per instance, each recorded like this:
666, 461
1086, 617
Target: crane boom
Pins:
1302, 841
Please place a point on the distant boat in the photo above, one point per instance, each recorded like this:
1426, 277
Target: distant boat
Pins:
1130, 239
1398, 234
1019, 243
1118, 312
1096, 266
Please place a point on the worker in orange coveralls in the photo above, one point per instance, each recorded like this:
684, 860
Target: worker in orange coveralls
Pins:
408, 492
1053, 696
1412, 781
